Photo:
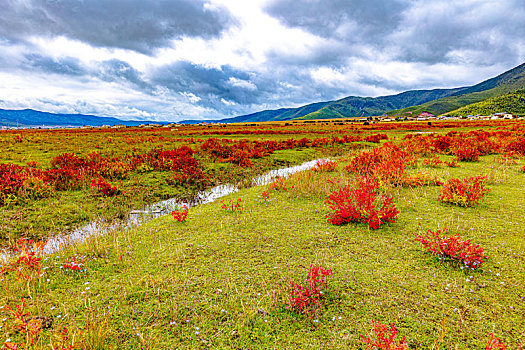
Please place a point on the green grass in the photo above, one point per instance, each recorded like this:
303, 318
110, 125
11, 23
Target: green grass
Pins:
511, 103
221, 279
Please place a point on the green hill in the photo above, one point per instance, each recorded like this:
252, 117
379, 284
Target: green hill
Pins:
505, 83
354, 106
513, 102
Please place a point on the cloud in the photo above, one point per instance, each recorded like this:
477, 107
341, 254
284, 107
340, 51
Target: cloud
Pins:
209, 84
128, 24
64, 66
468, 31
349, 21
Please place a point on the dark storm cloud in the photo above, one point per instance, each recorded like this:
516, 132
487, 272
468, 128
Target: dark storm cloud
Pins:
433, 31
129, 24
117, 70
210, 84
351, 21
486, 32
111, 70
65, 66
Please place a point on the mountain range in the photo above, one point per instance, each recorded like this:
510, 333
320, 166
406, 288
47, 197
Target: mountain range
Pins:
29, 117
414, 102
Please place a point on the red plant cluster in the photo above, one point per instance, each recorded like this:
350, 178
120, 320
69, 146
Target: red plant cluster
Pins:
30, 326
466, 193
69, 172
180, 214
434, 162
467, 146
385, 338
105, 187
17, 182
266, 195
73, 265
191, 175
495, 343
159, 159
361, 204
306, 299
466, 154
233, 206
241, 152
325, 165
376, 138
27, 263
452, 164
452, 247
387, 163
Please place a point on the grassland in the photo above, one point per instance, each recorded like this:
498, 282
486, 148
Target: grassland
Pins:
511, 103
222, 279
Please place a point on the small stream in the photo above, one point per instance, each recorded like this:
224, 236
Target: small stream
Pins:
155, 210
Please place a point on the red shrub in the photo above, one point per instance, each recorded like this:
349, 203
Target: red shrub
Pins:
434, 162
325, 165
306, 299
452, 164
68, 160
241, 158
376, 138
387, 163
27, 264
466, 193
495, 343
180, 214
23, 323
73, 265
233, 206
104, 187
191, 175
442, 244
384, 340
19, 183
65, 179
517, 146
361, 204
442, 144
467, 154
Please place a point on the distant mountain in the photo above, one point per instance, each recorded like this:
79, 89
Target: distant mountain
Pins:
347, 107
437, 101
267, 115
507, 82
513, 102
29, 117
354, 106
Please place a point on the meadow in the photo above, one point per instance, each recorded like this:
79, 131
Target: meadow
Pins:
410, 237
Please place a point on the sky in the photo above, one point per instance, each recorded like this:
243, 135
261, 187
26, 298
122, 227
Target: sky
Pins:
170, 60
